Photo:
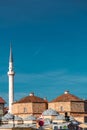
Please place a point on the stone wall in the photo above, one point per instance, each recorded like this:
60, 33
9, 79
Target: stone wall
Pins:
26, 109
39, 107
80, 119
22, 109
77, 107
60, 106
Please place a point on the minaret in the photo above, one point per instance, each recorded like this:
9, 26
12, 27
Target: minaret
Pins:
11, 80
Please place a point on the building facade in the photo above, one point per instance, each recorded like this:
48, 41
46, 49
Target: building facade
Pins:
71, 105
29, 105
32, 105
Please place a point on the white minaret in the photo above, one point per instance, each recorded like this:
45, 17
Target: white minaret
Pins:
11, 81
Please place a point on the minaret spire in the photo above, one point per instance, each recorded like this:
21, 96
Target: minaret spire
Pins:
11, 74
11, 56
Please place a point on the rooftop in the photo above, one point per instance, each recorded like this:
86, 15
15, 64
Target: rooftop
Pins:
66, 97
2, 100
32, 98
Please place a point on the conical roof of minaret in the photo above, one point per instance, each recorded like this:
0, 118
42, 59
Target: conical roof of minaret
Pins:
11, 56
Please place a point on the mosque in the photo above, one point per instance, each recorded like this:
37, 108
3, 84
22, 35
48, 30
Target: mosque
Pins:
32, 105
66, 107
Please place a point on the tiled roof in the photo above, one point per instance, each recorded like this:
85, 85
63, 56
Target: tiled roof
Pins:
50, 112
33, 99
66, 97
2, 100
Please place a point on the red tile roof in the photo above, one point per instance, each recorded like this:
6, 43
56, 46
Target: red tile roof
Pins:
33, 99
2, 100
66, 98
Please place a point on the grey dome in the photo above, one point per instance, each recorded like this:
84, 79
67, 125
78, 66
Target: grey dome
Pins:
47, 121
9, 116
60, 117
17, 118
4, 119
31, 117
50, 112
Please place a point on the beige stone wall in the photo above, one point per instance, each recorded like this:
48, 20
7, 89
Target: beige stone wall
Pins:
80, 119
77, 106
49, 117
59, 121
22, 109
26, 109
75, 109
30, 122
60, 106
38, 108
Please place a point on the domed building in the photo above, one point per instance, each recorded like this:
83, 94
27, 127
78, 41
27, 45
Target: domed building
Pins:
49, 114
66, 104
29, 105
70, 105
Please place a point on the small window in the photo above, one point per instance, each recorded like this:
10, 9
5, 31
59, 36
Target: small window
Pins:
25, 110
61, 108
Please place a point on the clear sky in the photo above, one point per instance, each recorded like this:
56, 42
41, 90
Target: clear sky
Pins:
49, 41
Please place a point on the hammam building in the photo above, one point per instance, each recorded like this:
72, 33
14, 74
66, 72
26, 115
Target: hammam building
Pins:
71, 105
32, 105
29, 105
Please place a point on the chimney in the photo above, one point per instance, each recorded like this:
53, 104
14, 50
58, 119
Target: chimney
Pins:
45, 98
31, 94
66, 92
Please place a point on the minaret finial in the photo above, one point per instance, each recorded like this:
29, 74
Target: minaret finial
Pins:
11, 56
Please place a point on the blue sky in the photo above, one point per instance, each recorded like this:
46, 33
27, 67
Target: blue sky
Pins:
49, 41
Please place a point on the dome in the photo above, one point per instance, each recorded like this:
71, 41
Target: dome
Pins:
31, 98
66, 97
31, 117
9, 116
47, 121
60, 117
4, 119
50, 112
17, 118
